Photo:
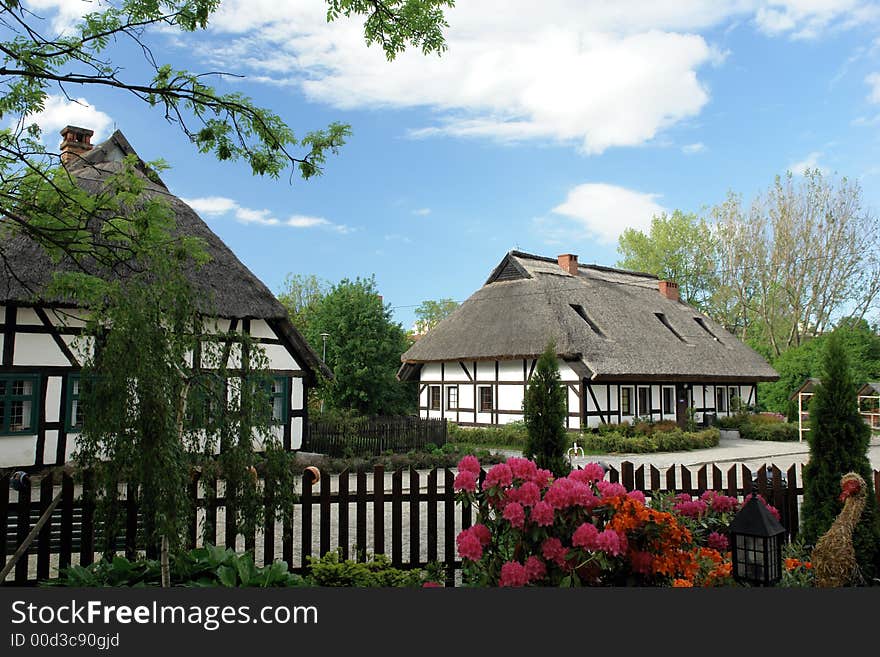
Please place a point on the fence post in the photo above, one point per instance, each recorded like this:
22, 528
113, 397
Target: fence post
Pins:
4, 515
414, 508
397, 518
268, 523
342, 513
66, 542
24, 528
324, 547
449, 525
379, 509
361, 523
87, 535
626, 474
306, 535
131, 522
44, 539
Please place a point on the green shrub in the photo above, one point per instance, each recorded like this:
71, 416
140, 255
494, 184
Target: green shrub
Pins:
513, 434
331, 570
206, 566
660, 441
778, 431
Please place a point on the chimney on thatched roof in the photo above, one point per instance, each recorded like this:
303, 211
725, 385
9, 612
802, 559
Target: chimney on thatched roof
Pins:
668, 289
568, 262
76, 143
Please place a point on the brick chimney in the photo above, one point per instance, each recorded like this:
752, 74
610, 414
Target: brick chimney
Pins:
568, 262
77, 142
668, 289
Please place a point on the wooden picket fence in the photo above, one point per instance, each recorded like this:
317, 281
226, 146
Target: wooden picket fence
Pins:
371, 436
414, 522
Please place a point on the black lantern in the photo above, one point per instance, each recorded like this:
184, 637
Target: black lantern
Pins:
756, 543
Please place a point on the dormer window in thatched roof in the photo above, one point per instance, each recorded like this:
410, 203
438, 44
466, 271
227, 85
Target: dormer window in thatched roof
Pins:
699, 320
579, 309
666, 323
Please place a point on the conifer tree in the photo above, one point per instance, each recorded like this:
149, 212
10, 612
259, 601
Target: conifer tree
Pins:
839, 440
545, 407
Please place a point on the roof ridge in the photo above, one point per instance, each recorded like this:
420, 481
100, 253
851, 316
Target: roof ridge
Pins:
583, 265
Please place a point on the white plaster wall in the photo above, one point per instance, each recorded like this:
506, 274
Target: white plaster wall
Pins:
566, 373
27, 316
510, 397
454, 372
39, 350
296, 393
50, 446
260, 329
17, 450
484, 418
507, 418
53, 399
510, 370
296, 433
466, 396
279, 358
430, 372
486, 370
81, 346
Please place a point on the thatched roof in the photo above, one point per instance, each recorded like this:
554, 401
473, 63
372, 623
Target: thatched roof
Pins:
230, 289
608, 323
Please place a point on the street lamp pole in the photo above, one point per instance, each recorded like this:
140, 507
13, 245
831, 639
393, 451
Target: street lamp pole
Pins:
324, 337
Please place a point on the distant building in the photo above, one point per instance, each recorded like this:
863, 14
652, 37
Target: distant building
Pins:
628, 347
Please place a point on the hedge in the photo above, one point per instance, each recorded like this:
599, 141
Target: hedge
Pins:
660, 441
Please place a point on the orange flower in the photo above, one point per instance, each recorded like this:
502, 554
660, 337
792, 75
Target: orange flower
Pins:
808, 564
682, 583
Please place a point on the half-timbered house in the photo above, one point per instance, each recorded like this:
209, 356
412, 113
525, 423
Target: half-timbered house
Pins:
40, 414
628, 348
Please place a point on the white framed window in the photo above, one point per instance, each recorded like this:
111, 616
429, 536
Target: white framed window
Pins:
668, 400
434, 398
626, 400
644, 399
487, 401
452, 398
720, 400
19, 394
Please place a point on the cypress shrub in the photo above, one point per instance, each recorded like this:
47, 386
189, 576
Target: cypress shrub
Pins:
544, 408
839, 440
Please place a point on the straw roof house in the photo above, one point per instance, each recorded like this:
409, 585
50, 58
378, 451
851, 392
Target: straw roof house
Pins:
628, 348
38, 370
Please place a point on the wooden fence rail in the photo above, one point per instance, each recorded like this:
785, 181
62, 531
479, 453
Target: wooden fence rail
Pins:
374, 435
411, 516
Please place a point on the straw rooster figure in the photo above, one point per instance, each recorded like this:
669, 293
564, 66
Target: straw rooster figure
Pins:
834, 559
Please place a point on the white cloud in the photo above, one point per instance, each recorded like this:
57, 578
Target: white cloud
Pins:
873, 81
592, 73
218, 206
59, 112
65, 13
811, 161
602, 210
692, 149
422, 212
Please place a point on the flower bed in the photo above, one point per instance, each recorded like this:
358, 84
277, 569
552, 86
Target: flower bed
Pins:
761, 426
536, 530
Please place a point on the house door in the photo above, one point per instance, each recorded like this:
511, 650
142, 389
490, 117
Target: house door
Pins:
682, 401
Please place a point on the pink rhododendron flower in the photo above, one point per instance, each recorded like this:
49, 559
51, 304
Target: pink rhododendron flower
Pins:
528, 494
589, 473
553, 550
465, 480
432, 585
482, 533
513, 574
542, 514
535, 569
611, 542
717, 541
637, 495
608, 489
718, 502
469, 463
585, 536
522, 468
498, 475
469, 546
542, 478
568, 492
691, 508
515, 514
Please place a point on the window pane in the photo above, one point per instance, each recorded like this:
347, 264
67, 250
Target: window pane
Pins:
278, 409
20, 417
22, 387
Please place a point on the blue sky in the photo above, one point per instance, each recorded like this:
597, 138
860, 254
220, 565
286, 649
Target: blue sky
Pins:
547, 126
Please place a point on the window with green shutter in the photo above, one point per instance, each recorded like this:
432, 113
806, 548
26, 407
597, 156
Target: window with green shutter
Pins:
19, 398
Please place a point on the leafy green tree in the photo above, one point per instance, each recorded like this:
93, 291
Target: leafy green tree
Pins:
363, 350
154, 412
300, 293
35, 63
430, 313
677, 247
839, 440
545, 408
859, 341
